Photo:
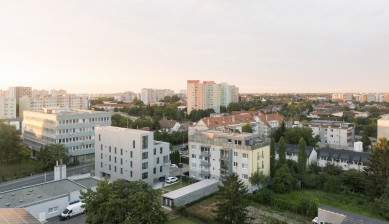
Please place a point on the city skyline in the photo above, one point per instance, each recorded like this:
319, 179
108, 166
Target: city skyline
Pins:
109, 47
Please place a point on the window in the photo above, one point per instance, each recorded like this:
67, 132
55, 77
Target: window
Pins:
235, 154
115, 150
121, 170
121, 161
154, 170
109, 148
145, 165
99, 137
101, 157
157, 160
194, 156
160, 150
235, 164
145, 155
245, 155
133, 144
193, 165
110, 158
130, 173
130, 154
144, 175
145, 141
115, 168
53, 209
193, 147
130, 163
101, 164
245, 176
109, 166
160, 169
245, 166
155, 152
121, 151
115, 159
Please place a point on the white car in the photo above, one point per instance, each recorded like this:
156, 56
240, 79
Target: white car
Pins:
171, 179
173, 166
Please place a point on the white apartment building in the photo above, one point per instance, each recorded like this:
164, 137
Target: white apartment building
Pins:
7, 108
130, 154
383, 127
41, 92
360, 97
334, 133
215, 154
127, 97
210, 95
371, 98
36, 103
19, 92
75, 129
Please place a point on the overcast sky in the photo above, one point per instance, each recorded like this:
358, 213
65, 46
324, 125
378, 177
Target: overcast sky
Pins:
259, 46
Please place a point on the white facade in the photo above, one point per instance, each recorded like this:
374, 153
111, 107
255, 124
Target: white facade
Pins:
125, 97
7, 108
130, 154
383, 127
148, 96
19, 92
75, 129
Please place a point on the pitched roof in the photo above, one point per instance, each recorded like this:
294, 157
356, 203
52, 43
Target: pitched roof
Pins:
224, 121
246, 112
167, 124
345, 155
265, 118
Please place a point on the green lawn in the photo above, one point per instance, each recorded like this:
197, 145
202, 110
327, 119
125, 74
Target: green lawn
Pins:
11, 170
172, 187
182, 220
358, 205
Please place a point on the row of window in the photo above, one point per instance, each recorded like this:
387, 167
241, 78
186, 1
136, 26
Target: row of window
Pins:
80, 121
144, 175
145, 142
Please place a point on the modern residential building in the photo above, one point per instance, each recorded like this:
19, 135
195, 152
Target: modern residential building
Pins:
75, 129
292, 153
19, 92
57, 91
17, 122
127, 97
334, 133
215, 154
372, 97
7, 108
149, 96
383, 127
42, 92
130, 154
36, 103
360, 97
210, 95
346, 159
337, 96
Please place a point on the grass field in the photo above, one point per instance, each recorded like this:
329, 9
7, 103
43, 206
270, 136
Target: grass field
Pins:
182, 220
11, 170
358, 205
172, 187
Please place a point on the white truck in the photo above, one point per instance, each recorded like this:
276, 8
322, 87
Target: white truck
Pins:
72, 210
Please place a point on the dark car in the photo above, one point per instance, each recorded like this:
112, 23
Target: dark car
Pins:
180, 165
162, 179
186, 173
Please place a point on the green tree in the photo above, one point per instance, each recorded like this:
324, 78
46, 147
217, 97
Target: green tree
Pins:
302, 160
115, 109
51, 153
332, 185
170, 113
383, 202
272, 158
232, 205
352, 179
377, 170
259, 179
118, 120
283, 181
223, 109
282, 151
175, 98
10, 140
279, 132
123, 202
247, 128
21, 154
366, 142
293, 135
178, 116
332, 169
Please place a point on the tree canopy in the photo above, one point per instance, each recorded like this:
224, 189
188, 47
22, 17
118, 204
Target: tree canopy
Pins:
293, 135
282, 151
49, 154
302, 160
10, 141
123, 202
247, 128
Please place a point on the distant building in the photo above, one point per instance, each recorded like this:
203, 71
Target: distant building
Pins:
346, 159
111, 106
292, 153
127, 97
383, 127
130, 154
42, 92
75, 129
7, 108
17, 122
150, 96
169, 125
360, 97
267, 123
19, 92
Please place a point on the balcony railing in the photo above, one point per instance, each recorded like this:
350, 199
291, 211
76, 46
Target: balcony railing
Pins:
205, 172
205, 163
228, 145
166, 163
205, 153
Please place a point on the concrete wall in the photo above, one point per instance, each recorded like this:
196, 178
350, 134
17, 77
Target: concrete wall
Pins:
62, 203
330, 217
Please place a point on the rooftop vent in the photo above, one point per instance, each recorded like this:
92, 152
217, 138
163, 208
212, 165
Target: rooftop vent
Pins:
39, 196
13, 194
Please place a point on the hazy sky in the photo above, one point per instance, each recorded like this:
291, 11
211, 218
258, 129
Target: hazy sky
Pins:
259, 46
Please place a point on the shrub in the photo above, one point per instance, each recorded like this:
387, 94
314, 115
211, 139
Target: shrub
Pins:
263, 196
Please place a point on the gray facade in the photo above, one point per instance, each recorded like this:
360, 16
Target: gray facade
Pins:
75, 129
190, 193
130, 154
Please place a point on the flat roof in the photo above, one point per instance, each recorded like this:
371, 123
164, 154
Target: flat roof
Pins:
360, 219
136, 131
35, 193
87, 182
17, 216
190, 188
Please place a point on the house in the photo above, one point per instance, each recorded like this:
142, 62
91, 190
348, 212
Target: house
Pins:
267, 123
169, 125
327, 214
252, 113
272, 109
346, 159
292, 153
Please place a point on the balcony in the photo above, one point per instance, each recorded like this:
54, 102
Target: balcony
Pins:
229, 145
205, 153
205, 172
223, 177
205, 163
166, 163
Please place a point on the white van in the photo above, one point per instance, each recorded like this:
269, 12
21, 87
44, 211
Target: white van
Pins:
72, 210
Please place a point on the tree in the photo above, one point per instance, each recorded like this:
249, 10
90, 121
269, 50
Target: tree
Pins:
170, 113
123, 202
366, 142
293, 135
377, 170
178, 116
352, 179
51, 153
247, 128
10, 141
302, 160
280, 132
332, 185
272, 158
120, 121
282, 151
283, 181
383, 202
223, 109
115, 109
175, 98
21, 154
232, 205
259, 179
332, 169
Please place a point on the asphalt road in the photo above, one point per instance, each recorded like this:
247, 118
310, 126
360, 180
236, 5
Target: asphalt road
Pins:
79, 219
40, 178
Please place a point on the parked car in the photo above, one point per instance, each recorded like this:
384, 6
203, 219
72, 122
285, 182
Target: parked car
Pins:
180, 165
186, 173
171, 179
72, 210
173, 166
162, 179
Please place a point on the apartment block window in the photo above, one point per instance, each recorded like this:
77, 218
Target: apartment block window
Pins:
133, 144
109, 148
235, 154
115, 150
235, 164
245, 176
109, 166
160, 150
121, 170
99, 137
121, 161
145, 165
130, 173
245, 166
101, 164
193, 147
145, 175
110, 158
121, 151
155, 152
115, 159
130, 163
145, 155
157, 160
154, 170
101, 155
145, 141
160, 168
130, 154
193, 165
115, 168
194, 156
245, 155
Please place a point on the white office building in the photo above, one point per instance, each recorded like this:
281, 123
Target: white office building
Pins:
130, 154
73, 128
7, 108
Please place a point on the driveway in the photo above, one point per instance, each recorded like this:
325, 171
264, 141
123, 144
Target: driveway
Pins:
79, 219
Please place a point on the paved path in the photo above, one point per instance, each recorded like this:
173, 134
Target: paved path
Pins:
40, 178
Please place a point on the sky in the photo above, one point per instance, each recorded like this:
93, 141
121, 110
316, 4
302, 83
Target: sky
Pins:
258, 46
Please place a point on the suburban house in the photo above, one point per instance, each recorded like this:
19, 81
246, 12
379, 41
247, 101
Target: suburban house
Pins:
267, 123
272, 109
346, 159
169, 125
292, 153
